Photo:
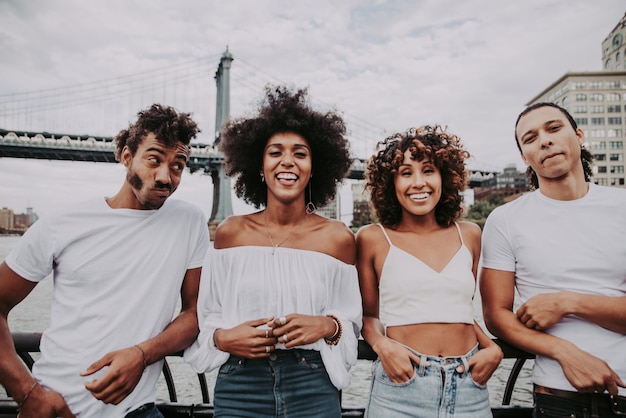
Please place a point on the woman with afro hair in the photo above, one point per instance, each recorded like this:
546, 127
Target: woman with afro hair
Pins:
417, 273
279, 306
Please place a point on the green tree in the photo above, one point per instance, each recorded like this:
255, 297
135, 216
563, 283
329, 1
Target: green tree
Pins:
479, 211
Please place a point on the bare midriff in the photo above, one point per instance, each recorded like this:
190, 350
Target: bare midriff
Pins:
436, 339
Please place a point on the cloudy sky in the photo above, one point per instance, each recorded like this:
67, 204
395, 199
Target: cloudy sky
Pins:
387, 65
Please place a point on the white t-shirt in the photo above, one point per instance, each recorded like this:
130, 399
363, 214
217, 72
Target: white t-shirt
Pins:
244, 283
553, 246
117, 281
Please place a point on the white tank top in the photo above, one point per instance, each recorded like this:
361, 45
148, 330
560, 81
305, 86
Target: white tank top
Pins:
411, 292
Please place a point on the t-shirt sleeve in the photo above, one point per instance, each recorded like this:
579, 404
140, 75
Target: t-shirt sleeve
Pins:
33, 256
201, 245
497, 252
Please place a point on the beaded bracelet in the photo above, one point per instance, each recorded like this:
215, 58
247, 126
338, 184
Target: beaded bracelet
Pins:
27, 395
334, 339
143, 356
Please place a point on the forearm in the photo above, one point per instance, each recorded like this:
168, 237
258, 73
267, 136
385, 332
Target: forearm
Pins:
14, 375
373, 331
606, 311
483, 339
504, 324
177, 336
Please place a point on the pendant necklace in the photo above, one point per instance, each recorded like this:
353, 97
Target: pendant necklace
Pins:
274, 246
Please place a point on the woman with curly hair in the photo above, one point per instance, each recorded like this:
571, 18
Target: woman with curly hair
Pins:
417, 273
279, 306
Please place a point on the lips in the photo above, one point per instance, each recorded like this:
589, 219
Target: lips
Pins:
287, 176
419, 196
550, 156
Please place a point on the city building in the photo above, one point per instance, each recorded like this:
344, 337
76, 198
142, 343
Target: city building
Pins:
597, 101
12, 223
507, 185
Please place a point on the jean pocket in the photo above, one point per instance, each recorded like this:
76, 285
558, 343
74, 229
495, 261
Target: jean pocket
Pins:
381, 376
231, 366
554, 413
471, 378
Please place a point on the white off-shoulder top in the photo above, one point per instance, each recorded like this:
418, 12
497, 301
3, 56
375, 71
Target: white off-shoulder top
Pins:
240, 284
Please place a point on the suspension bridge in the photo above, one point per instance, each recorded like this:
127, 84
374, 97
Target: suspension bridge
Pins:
78, 122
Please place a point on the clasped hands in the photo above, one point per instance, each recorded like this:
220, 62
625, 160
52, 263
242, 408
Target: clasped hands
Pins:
258, 338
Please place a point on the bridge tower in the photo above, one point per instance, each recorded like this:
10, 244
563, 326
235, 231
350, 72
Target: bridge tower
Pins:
222, 204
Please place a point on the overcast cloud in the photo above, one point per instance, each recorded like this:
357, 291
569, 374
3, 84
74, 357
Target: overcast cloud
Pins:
388, 65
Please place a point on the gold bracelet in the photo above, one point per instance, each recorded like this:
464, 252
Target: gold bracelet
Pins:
143, 356
27, 395
334, 339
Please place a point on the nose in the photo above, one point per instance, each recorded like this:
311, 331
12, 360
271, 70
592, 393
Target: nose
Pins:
545, 139
418, 180
163, 175
287, 160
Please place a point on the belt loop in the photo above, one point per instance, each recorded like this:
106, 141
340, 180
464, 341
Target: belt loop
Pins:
422, 368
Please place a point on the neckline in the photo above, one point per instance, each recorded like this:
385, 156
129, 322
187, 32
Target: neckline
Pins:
458, 251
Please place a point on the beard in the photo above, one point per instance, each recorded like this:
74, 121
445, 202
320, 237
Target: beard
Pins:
137, 184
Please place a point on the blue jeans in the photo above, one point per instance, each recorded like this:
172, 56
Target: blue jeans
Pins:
290, 383
148, 410
436, 391
587, 406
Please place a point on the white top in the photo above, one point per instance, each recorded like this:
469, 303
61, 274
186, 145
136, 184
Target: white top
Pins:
555, 245
244, 283
117, 281
412, 292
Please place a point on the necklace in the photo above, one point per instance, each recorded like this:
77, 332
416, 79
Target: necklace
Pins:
274, 246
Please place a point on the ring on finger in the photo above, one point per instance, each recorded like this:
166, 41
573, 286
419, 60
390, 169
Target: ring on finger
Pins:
267, 348
285, 338
267, 333
282, 320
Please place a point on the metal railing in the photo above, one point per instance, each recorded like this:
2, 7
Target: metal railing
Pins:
28, 343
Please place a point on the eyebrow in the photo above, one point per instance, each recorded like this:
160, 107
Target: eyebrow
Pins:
181, 155
546, 123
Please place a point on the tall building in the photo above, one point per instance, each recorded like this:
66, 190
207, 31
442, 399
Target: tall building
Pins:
597, 101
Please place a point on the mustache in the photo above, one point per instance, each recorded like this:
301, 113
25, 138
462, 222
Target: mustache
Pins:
159, 185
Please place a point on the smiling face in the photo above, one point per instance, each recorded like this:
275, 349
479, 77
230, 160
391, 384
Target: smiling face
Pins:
154, 172
418, 186
549, 144
287, 165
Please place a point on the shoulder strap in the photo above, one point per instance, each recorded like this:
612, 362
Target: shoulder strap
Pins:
458, 228
385, 234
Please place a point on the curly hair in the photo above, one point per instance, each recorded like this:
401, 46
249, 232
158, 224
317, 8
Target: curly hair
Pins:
586, 157
169, 127
444, 150
243, 142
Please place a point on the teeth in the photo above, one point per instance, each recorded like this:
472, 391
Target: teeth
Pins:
419, 196
287, 176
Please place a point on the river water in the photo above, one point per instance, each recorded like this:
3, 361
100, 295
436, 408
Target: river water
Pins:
32, 315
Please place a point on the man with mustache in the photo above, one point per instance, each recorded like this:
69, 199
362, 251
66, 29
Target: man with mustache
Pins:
563, 248
119, 264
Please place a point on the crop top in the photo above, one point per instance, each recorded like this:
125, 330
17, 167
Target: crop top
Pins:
411, 292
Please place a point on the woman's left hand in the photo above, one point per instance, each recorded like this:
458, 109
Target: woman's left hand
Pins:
296, 329
484, 363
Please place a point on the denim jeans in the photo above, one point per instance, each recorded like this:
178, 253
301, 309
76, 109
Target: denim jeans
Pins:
588, 406
435, 391
290, 383
148, 410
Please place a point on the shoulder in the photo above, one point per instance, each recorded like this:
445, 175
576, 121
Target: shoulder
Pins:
369, 233
337, 238
183, 207
229, 230
470, 230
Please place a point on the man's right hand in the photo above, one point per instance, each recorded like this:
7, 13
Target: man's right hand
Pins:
44, 403
588, 373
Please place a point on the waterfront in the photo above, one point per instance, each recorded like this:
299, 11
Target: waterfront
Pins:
32, 315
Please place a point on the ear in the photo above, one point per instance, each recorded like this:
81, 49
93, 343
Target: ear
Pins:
126, 156
581, 136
